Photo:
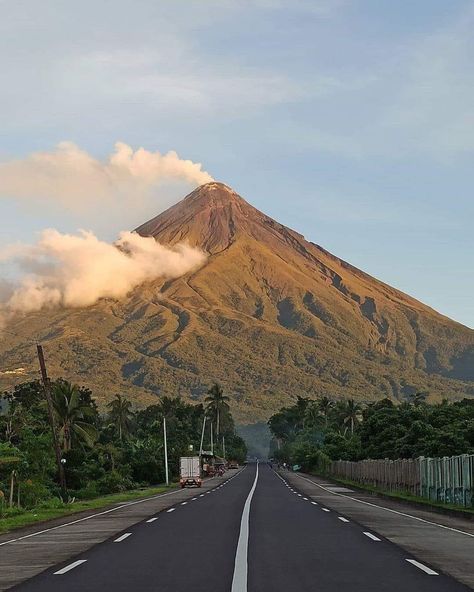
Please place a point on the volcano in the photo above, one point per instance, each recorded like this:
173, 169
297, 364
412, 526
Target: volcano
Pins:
270, 316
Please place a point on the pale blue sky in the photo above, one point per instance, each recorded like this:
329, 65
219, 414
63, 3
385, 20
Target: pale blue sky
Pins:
351, 121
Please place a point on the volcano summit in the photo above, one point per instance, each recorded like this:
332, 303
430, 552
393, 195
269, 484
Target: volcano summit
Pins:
270, 315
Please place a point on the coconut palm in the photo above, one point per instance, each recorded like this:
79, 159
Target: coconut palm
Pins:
419, 398
217, 404
325, 405
121, 415
352, 413
73, 417
312, 414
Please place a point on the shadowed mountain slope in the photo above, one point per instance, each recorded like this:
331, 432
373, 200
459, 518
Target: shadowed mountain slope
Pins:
270, 315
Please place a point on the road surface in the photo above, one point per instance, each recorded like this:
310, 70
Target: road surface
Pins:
256, 532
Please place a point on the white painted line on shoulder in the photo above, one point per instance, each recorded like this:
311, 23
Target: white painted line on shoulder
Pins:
372, 536
359, 501
299, 495
114, 509
152, 520
183, 503
202, 495
342, 519
194, 499
424, 568
170, 510
305, 499
325, 510
64, 570
314, 503
123, 537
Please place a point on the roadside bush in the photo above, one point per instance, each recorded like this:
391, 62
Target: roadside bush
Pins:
32, 492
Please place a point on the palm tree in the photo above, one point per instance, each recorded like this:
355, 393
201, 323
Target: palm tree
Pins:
352, 413
73, 417
325, 405
217, 404
121, 415
419, 398
312, 414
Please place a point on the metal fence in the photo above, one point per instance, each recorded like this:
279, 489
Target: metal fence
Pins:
448, 479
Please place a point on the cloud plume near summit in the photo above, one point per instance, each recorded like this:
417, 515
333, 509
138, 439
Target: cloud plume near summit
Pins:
67, 270
72, 177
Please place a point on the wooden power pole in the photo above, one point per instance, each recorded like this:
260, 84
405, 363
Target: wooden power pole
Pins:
57, 450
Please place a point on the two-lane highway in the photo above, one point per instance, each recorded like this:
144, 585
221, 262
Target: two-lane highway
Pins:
254, 533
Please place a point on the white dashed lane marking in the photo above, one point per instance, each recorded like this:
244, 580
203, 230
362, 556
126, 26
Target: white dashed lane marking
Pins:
64, 570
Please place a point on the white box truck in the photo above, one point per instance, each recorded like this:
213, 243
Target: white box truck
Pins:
189, 472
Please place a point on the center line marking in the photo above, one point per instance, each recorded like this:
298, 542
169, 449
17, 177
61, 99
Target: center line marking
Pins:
62, 571
424, 568
372, 536
152, 519
239, 580
123, 537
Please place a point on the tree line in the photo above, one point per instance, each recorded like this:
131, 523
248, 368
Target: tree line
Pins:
311, 433
108, 451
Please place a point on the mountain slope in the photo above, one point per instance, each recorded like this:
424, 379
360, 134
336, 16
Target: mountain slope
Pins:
270, 315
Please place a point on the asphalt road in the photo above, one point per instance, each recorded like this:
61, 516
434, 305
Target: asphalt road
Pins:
255, 533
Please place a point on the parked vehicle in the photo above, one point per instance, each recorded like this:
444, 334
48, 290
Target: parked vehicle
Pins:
189, 472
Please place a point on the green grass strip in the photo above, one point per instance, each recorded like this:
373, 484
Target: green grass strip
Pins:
21, 518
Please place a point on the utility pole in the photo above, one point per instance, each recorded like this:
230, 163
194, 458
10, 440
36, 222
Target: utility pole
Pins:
202, 441
57, 449
212, 441
166, 451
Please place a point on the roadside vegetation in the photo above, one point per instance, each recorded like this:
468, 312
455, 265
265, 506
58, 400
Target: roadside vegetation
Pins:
117, 450
312, 433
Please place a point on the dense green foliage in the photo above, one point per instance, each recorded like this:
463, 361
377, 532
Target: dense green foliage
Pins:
312, 433
103, 453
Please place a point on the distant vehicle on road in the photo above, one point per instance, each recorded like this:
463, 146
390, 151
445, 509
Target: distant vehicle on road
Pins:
189, 471
233, 464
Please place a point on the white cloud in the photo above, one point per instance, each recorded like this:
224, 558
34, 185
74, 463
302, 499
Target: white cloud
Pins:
77, 270
73, 177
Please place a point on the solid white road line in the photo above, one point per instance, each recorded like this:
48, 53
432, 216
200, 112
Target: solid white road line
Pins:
354, 499
123, 537
342, 519
64, 570
372, 536
141, 501
27, 536
239, 580
424, 568
152, 520
171, 510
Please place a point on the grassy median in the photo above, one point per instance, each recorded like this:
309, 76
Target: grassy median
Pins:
55, 509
